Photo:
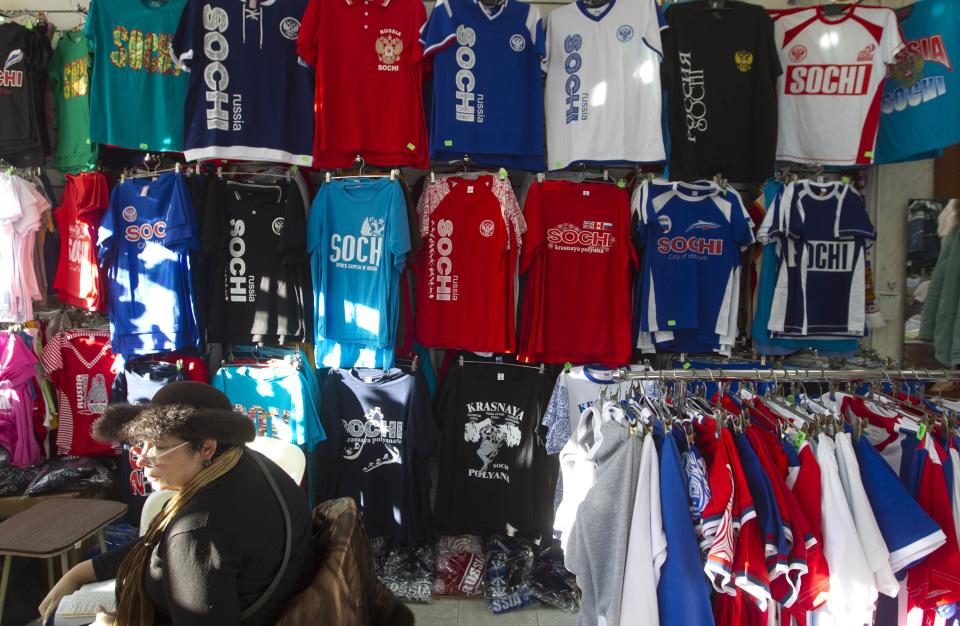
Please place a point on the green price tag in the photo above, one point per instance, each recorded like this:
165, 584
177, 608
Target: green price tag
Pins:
558, 164
922, 432
686, 366
801, 437
845, 180
567, 366
622, 184
293, 168
411, 147
503, 173
671, 322
143, 146
447, 142
868, 154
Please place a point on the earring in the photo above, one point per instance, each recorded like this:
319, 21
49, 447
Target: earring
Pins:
207, 463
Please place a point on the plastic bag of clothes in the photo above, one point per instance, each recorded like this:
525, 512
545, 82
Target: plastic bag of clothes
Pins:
14, 480
507, 579
460, 564
406, 571
551, 583
62, 474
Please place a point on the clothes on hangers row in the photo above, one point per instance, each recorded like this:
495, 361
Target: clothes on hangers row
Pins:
24, 214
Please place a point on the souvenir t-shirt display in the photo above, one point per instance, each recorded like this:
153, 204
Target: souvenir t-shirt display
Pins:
721, 91
25, 53
144, 242
471, 229
829, 95
69, 71
22, 208
255, 238
578, 259
78, 280
80, 365
920, 108
494, 472
487, 96
137, 91
358, 237
249, 97
369, 77
602, 95
380, 430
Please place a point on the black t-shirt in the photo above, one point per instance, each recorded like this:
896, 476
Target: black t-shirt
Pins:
24, 54
720, 69
255, 238
380, 430
495, 474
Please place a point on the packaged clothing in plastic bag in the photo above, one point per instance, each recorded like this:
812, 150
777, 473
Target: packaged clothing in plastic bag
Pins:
14, 480
551, 583
62, 474
507, 579
460, 563
407, 571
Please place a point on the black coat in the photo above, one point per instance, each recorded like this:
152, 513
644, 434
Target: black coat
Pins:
224, 549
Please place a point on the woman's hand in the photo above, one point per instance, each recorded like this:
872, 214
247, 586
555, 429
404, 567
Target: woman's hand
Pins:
64, 587
104, 618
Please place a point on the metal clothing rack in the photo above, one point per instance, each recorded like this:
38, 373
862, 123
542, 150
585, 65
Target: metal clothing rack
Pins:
788, 375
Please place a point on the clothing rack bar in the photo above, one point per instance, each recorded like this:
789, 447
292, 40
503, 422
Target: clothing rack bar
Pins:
787, 375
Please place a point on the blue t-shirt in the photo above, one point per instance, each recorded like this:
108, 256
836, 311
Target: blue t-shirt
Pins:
692, 241
920, 108
279, 399
136, 92
144, 241
487, 94
249, 96
358, 237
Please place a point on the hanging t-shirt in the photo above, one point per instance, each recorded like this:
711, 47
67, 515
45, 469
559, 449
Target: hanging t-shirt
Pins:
70, 86
255, 236
467, 265
358, 237
80, 364
18, 371
137, 92
21, 209
25, 53
829, 95
277, 398
487, 95
823, 230
249, 98
78, 279
378, 424
721, 91
920, 108
602, 95
144, 242
494, 473
368, 81
577, 234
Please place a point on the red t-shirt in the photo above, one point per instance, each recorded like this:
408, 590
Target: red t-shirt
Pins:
79, 363
807, 491
578, 259
78, 280
369, 81
465, 270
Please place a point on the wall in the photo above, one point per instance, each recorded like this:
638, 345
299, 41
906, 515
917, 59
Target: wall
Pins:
889, 188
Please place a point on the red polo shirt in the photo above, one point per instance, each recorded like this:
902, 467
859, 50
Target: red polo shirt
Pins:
369, 79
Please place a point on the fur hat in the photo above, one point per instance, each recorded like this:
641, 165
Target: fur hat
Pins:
189, 410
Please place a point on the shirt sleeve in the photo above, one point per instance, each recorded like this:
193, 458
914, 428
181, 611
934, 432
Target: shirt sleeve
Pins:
214, 228
181, 222
854, 220
293, 238
439, 30
740, 223
106, 234
419, 16
398, 229
892, 39
51, 358
181, 48
201, 577
329, 450
106, 565
427, 435
535, 28
656, 23
532, 210
92, 26
308, 40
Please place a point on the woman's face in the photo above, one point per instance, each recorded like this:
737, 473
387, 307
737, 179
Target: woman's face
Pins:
174, 462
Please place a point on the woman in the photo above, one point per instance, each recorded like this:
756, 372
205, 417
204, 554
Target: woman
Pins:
212, 555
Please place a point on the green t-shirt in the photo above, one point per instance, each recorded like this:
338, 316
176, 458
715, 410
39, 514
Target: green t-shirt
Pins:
137, 93
69, 70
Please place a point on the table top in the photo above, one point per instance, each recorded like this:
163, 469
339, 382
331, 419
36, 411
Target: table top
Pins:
53, 526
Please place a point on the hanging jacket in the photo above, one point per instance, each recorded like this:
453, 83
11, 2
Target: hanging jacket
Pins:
941, 309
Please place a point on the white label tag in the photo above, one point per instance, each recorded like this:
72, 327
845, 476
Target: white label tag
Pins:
469, 188
586, 192
368, 379
500, 376
253, 5
143, 192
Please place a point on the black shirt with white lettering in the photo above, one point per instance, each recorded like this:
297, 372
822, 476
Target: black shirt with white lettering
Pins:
255, 240
24, 54
495, 474
720, 70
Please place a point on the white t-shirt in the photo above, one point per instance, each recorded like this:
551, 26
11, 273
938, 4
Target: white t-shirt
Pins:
874, 547
603, 97
833, 72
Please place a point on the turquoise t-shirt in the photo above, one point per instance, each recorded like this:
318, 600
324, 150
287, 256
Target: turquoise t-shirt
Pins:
137, 93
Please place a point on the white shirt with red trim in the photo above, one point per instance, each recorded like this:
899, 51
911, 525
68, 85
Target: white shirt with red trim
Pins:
830, 89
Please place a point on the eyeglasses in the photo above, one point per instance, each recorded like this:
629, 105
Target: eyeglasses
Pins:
150, 459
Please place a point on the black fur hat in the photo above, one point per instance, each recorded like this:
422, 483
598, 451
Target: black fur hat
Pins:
192, 411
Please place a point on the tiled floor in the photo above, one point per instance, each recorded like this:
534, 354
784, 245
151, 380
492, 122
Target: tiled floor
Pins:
452, 612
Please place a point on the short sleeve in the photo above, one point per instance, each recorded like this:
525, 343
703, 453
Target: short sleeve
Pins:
774, 222
439, 30
545, 63
308, 40
93, 24
892, 39
419, 17
182, 47
213, 230
293, 238
398, 229
181, 223
854, 220
769, 44
538, 35
315, 223
106, 234
741, 226
51, 357
667, 63
656, 23
532, 213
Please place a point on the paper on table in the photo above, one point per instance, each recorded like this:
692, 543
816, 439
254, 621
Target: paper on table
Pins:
82, 604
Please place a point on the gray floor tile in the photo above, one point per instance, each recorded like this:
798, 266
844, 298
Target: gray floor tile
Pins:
553, 617
477, 613
440, 612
